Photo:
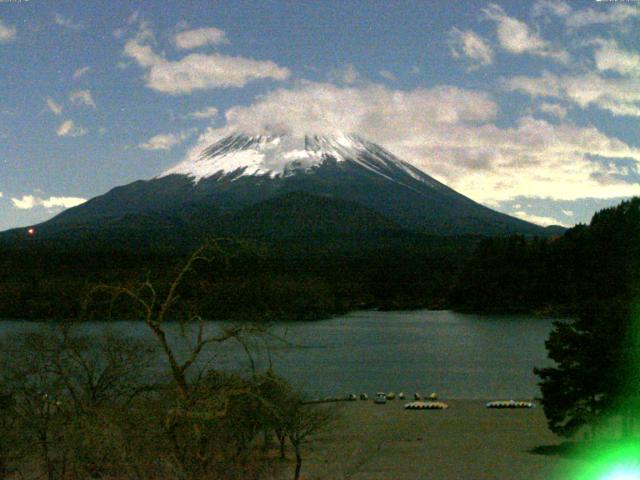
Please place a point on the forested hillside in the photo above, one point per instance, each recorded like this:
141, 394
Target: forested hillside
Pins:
562, 275
316, 274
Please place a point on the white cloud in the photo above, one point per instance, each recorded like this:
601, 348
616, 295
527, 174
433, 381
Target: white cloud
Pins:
66, 22
28, 202
55, 108
608, 56
70, 129
537, 219
322, 107
24, 203
546, 85
165, 141
139, 49
471, 46
568, 213
617, 13
517, 38
201, 72
514, 35
142, 54
387, 75
449, 133
347, 75
7, 32
80, 72
555, 7
554, 109
82, 98
619, 96
196, 71
199, 37
208, 112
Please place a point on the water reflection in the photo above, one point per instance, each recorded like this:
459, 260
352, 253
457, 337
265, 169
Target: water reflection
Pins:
457, 355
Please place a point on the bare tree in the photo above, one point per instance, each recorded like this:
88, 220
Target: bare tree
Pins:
302, 421
195, 409
155, 309
8, 420
27, 372
57, 374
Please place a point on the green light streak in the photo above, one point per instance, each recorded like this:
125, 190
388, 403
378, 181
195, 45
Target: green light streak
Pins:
617, 461
613, 461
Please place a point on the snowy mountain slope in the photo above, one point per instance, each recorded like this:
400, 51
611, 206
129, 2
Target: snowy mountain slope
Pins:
244, 170
282, 156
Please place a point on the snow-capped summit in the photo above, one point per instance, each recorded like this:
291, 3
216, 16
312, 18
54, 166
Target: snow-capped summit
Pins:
274, 156
245, 180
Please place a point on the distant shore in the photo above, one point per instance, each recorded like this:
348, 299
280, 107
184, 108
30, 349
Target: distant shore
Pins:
466, 441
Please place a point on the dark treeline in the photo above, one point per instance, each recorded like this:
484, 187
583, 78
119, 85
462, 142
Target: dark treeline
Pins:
317, 276
593, 387
564, 275
293, 279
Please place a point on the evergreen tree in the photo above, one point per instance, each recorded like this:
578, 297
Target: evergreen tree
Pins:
588, 380
597, 355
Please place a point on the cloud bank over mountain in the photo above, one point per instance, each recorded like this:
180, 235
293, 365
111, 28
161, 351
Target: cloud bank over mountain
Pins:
448, 132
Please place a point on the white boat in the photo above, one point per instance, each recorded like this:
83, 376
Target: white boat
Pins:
509, 404
419, 405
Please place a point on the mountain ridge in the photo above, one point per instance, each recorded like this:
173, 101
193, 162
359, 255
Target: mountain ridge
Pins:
241, 171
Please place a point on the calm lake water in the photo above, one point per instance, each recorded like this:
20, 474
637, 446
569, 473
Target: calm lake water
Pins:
456, 355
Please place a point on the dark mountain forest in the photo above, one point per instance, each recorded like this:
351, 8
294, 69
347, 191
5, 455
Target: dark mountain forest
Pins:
316, 272
587, 265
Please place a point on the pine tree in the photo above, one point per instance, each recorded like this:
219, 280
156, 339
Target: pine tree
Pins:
597, 355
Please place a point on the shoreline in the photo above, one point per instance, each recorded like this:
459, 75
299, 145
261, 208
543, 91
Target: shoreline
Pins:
558, 314
465, 441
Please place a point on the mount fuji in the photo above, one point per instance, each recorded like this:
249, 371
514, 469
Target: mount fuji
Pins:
273, 186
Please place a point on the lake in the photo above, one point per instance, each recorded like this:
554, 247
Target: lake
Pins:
456, 355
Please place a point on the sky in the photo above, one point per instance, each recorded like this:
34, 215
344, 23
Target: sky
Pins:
531, 108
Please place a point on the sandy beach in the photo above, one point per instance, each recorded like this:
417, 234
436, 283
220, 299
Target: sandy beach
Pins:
467, 441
